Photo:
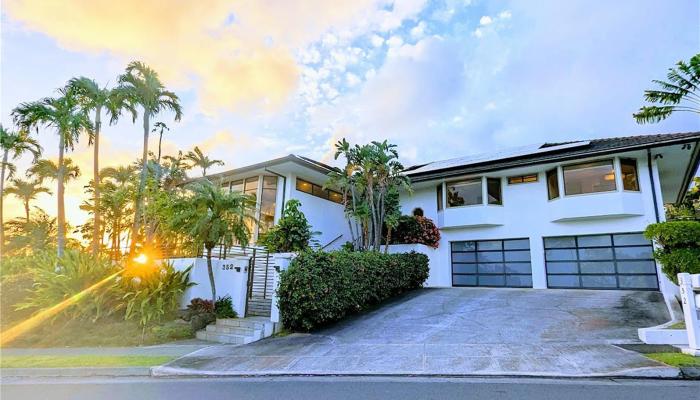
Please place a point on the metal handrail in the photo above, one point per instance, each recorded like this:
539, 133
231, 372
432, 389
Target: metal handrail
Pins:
332, 241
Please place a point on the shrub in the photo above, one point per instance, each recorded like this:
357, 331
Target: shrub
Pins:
200, 313
224, 308
680, 246
14, 290
323, 287
416, 229
292, 233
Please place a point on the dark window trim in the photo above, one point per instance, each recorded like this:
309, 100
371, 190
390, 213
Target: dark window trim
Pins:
499, 201
633, 163
503, 262
518, 179
440, 199
555, 172
479, 179
320, 189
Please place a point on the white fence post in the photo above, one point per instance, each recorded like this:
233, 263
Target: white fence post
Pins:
690, 297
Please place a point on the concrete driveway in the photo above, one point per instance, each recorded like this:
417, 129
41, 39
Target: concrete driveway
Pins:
460, 331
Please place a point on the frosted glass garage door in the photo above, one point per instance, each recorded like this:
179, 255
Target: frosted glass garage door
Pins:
609, 261
496, 263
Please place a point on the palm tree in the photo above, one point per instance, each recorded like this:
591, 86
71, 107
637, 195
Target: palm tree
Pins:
679, 94
26, 191
212, 216
66, 116
160, 127
47, 169
13, 144
140, 85
198, 159
121, 175
94, 98
25, 237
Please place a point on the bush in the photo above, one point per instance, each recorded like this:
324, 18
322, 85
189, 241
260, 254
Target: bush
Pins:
292, 233
323, 287
224, 308
14, 290
680, 246
416, 229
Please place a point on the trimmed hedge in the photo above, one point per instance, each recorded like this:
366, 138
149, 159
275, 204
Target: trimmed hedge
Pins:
320, 287
680, 246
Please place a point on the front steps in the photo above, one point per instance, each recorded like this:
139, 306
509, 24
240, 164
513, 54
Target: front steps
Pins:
237, 330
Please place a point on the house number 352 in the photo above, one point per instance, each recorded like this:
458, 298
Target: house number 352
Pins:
227, 267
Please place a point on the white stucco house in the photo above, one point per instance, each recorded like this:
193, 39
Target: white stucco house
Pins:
552, 215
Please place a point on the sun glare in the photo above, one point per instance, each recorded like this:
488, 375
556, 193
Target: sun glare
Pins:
141, 258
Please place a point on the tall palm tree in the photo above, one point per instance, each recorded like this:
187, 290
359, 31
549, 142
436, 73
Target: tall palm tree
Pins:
160, 127
69, 119
13, 145
121, 175
95, 98
679, 94
198, 159
48, 169
141, 85
26, 191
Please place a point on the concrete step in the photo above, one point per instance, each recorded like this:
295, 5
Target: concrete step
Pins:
249, 323
237, 330
224, 337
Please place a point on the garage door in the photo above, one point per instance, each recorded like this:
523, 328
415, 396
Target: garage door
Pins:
610, 261
497, 263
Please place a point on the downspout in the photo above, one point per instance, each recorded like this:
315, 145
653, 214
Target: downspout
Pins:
284, 185
653, 186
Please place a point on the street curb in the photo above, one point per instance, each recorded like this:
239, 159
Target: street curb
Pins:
76, 372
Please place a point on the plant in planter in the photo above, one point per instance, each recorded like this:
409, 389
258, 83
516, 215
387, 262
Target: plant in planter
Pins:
680, 246
291, 234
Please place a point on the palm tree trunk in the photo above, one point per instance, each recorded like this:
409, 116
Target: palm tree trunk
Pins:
2, 204
61, 237
388, 239
96, 183
142, 184
26, 209
210, 269
160, 141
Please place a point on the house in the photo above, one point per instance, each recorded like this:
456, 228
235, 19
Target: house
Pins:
552, 215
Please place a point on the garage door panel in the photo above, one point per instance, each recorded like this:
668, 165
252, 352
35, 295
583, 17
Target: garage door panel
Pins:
495, 263
602, 261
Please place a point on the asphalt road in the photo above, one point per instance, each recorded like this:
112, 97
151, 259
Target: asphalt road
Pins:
346, 388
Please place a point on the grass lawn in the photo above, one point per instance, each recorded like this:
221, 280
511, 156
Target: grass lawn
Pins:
675, 359
677, 325
81, 361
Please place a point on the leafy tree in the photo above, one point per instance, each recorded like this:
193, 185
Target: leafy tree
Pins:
25, 237
141, 85
13, 145
198, 159
159, 127
47, 169
212, 216
95, 98
26, 191
69, 119
679, 94
292, 233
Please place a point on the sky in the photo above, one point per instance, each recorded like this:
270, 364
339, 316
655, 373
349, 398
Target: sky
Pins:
262, 79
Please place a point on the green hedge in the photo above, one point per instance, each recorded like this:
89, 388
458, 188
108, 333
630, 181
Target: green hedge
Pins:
680, 246
323, 287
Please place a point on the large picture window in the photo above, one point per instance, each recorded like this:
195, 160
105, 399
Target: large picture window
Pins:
628, 170
464, 193
591, 177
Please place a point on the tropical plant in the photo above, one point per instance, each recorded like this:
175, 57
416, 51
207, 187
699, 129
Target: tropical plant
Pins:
679, 94
95, 98
27, 237
45, 169
198, 159
159, 127
65, 115
141, 85
416, 229
211, 217
13, 145
679, 243
292, 232
224, 308
372, 174
26, 191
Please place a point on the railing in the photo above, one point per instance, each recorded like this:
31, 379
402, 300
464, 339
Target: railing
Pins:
332, 241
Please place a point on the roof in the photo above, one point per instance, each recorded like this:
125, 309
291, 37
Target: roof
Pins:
303, 161
543, 153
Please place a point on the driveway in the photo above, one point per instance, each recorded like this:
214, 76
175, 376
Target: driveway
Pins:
459, 331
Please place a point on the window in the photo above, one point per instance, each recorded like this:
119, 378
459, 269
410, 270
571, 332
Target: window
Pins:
493, 188
592, 177
464, 193
237, 186
438, 189
268, 202
628, 169
552, 184
492, 263
318, 191
513, 180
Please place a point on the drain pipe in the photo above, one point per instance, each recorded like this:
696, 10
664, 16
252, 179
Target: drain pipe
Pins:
653, 186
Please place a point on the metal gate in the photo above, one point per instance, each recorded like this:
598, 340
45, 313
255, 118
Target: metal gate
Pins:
260, 283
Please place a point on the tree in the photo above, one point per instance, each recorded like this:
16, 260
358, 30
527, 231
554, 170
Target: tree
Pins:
679, 94
141, 85
212, 216
159, 127
13, 145
47, 169
69, 119
26, 191
198, 159
292, 232
95, 98
25, 237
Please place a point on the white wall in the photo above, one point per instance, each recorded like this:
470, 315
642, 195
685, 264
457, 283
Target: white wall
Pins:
527, 213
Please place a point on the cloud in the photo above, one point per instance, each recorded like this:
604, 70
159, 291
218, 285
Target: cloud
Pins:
485, 20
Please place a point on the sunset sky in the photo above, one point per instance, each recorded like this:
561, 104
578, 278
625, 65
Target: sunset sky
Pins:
261, 79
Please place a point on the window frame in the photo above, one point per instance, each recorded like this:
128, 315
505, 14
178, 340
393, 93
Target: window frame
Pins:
479, 179
500, 191
634, 164
440, 200
318, 188
554, 171
604, 160
512, 179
